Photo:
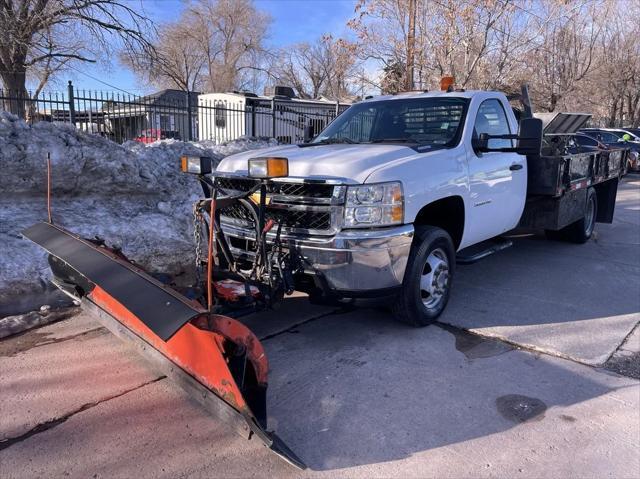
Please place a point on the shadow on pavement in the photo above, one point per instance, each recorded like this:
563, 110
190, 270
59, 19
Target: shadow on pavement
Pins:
359, 389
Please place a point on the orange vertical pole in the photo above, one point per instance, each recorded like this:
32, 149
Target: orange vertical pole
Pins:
212, 240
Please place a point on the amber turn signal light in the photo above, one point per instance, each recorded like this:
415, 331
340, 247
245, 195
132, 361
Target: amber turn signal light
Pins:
265, 168
446, 83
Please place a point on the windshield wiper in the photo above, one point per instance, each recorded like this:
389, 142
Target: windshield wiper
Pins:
393, 140
331, 141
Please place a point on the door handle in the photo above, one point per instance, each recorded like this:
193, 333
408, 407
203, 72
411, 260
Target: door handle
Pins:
515, 167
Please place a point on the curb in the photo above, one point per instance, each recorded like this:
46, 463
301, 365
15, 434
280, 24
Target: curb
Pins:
19, 323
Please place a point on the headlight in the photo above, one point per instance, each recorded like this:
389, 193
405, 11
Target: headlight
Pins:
196, 165
266, 168
380, 204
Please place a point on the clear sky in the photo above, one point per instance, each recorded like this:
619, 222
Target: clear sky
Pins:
293, 21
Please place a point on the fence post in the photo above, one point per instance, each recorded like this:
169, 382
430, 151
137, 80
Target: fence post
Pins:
253, 120
190, 126
72, 106
273, 117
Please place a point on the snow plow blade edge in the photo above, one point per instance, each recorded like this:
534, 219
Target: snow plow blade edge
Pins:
201, 352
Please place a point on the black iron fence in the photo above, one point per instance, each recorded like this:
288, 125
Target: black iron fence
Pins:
181, 115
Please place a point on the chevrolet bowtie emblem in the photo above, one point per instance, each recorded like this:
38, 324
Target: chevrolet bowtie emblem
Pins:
255, 197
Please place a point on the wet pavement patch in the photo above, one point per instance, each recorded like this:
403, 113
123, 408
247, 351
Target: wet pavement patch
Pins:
626, 365
567, 418
474, 346
517, 408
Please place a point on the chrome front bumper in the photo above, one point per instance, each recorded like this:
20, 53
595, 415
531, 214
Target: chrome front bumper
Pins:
352, 261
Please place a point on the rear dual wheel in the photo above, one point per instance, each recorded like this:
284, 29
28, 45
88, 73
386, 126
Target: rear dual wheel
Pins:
581, 231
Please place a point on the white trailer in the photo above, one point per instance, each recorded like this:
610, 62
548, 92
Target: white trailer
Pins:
227, 116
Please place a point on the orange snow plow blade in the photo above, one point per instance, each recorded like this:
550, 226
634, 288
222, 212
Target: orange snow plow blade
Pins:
216, 359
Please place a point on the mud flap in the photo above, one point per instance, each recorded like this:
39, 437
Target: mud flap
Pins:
216, 359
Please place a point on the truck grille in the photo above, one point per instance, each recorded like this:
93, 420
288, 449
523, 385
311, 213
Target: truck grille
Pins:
302, 190
311, 220
235, 184
298, 207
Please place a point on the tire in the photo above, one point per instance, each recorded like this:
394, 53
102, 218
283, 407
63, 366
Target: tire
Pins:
580, 231
417, 304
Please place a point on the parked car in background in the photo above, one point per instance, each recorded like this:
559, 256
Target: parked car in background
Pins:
613, 138
154, 134
582, 143
624, 133
602, 135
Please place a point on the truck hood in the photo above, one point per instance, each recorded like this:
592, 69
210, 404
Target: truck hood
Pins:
343, 161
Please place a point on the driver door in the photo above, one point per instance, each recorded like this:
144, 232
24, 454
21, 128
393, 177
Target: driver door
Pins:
497, 180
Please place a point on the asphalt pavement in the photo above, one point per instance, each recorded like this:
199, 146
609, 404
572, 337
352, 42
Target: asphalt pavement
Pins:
515, 381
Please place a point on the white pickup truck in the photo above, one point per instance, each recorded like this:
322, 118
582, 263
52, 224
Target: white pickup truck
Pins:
399, 188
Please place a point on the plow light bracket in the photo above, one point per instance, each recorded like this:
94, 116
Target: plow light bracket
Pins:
196, 165
266, 168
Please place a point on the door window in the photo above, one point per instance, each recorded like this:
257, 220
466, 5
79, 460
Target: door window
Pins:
491, 119
607, 137
585, 140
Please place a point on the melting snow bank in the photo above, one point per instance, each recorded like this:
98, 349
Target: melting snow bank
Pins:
132, 195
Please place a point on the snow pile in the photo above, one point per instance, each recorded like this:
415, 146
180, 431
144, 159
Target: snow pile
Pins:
131, 195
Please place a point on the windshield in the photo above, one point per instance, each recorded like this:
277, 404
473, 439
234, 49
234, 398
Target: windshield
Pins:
435, 122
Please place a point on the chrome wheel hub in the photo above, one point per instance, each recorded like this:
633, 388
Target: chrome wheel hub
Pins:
435, 278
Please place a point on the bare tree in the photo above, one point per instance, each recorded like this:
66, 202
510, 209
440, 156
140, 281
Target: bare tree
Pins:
214, 45
44, 35
302, 66
567, 52
446, 37
612, 89
176, 61
577, 55
513, 37
324, 68
231, 33
343, 68
393, 78
381, 28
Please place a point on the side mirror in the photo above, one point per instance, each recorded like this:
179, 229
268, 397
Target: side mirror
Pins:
530, 137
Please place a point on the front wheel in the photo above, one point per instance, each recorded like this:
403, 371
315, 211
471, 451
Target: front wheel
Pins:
427, 278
